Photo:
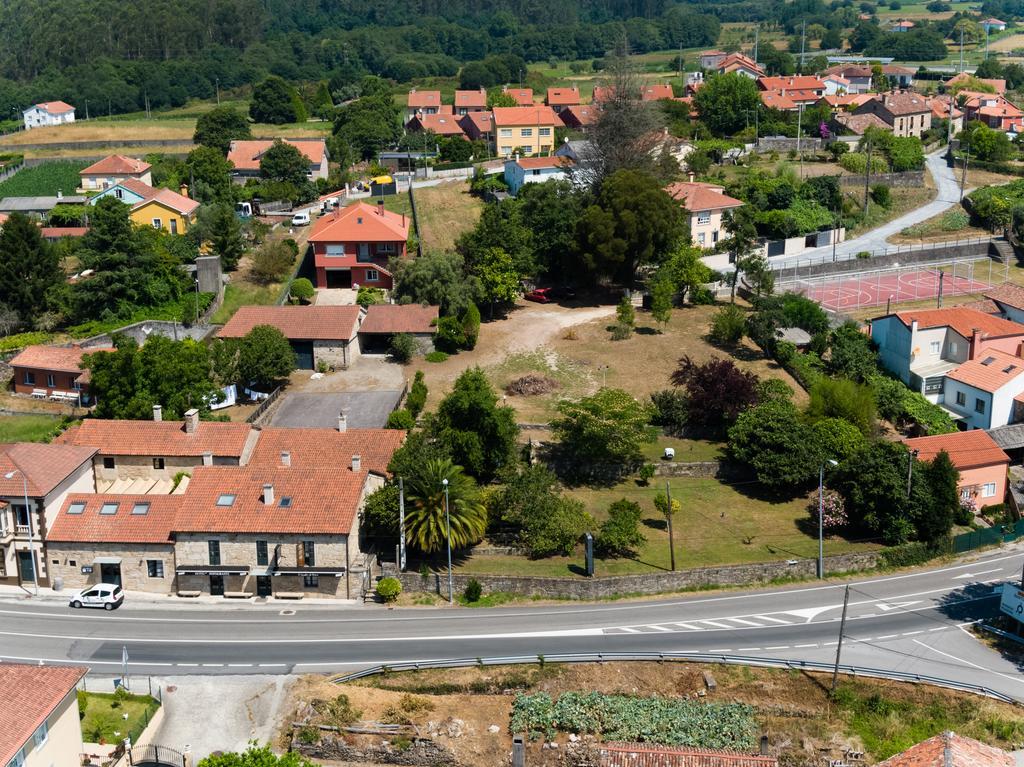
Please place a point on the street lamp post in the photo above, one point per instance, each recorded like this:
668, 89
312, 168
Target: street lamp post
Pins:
28, 518
448, 526
821, 516
910, 469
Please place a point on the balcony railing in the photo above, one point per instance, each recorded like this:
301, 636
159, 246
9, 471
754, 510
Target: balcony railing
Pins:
21, 529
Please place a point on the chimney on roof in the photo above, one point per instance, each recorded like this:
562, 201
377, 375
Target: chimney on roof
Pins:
357, 463
286, 458
380, 207
207, 459
158, 413
191, 421
60, 194
342, 422
974, 350
691, 176
268, 495
764, 745
184, 190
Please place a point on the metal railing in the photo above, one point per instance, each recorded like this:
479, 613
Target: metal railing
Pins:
153, 754
826, 258
687, 657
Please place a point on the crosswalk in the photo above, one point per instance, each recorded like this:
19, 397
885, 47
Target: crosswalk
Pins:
706, 624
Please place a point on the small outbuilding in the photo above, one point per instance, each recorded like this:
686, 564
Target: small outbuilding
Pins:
384, 321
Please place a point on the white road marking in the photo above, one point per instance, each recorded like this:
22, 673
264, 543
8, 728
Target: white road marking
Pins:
975, 575
660, 628
747, 649
887, 636
773, 620
911, 633
778, 647
745, 622
810, 613
273, 665
1018, 680
240, 665
688, 626
628, 630
886, 607
802, 646
717, 625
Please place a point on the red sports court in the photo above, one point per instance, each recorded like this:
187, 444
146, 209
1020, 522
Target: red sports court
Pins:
875, 289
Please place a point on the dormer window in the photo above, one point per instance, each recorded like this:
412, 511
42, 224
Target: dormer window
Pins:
226, 499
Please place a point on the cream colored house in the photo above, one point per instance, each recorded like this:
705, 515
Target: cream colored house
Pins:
706, 203
34, 481
39, 705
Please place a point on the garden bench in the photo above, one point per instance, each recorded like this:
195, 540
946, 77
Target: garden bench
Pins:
39, 393
189, 593
238, 594
289, 595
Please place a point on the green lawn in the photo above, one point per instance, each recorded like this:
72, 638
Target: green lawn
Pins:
43, 180
687, 450
719, 524
26, 428
103, 715
241, 294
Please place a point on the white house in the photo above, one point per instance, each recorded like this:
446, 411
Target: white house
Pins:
993, 25
988, 391
835, 84
1009, 299
705, 204
48, 113
534, 170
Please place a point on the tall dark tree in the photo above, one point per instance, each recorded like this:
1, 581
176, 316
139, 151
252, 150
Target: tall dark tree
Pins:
209, 174
727, 103
273, 102
717, 390
479, 434
934, 520
226, 236
632, 223
284, 163
265, 357
29, 267
219, 127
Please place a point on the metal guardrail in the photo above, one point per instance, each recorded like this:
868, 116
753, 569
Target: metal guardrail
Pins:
826, 258
697, 657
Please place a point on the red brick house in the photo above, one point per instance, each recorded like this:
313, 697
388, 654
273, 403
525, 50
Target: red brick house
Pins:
352, 246
46, 371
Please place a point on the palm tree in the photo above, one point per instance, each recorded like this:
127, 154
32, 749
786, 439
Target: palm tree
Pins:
425, 523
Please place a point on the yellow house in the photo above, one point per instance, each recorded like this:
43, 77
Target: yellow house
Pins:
165, 210
526, 130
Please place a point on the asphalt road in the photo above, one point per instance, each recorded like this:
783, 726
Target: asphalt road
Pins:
913, 623
875, 241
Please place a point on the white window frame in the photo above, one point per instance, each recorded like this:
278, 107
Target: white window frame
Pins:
965, 494
41, 735
700, 238
372, 275
335, 249
703, 218
543, 131
505, 132
18, 760
30, 378
157, 223
935, 347
526, 132
988, 490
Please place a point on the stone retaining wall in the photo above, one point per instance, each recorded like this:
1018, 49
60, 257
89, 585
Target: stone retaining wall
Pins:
651, 583
910, 178
902, 256
785, 144
422, 753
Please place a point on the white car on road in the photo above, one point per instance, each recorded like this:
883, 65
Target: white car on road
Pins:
109, 596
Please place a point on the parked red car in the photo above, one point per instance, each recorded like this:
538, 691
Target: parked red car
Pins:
547, 295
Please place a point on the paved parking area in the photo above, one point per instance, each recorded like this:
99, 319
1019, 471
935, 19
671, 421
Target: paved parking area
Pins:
363, 409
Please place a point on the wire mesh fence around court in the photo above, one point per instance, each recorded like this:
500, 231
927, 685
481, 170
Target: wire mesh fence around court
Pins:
898, 284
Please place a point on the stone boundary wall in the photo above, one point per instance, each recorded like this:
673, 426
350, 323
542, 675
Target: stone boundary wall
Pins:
910, 178
421, 753
650, 583
784, 144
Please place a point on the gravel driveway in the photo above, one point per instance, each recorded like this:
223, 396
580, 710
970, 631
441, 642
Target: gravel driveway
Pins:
363, 409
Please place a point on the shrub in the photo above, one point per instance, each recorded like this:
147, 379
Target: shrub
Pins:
646, 473
436, 357
271, 261
964, 515
833, 510
369, 296
728, 325
621, 331
671, 410
450, 336
302, 289
470, 320
881, 194
389, 588
403, 348
308, 735
401, 419
417, 398
620, 534
473, 590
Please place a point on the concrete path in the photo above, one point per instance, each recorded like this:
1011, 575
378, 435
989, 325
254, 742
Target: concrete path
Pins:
948, 195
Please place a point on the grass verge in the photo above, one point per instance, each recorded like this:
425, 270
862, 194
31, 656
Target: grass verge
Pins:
110, 717
27, 428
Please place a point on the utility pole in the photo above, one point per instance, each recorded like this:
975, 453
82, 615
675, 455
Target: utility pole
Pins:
961, 50
799, 125
910, 469
938, 304
401, 524
986, 41
757, 39
87, 109
839, 647
867, 176
963, 176
217, 80
668, 518
803, 42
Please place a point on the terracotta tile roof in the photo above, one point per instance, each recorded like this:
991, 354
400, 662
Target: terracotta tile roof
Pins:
838, 79
602, 93
903, 25
327, 448
526, 116
656, 92
792, 83
116, 164
581, 114
176, 202
903, 103
323, 500
423, 99
696, 196
158, 438
963, 321
245, 155
735, 61
652, 755
990, 372
322, 323
471, 98
523, 96
56, 232
140, 188
966, 449
28, 695
398, 318
950, 750
536, 163
999, 86
846, 99
64, 359
940, 108
55, 107
44, 466
1007, 294
986, 305
123, 526
858, 124
849, 70
774, 100
896, 69
482, 121
562, 97
441, 124
992, 21
360, 222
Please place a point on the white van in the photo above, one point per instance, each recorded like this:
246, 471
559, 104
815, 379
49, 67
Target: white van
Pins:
109, 596
301, 218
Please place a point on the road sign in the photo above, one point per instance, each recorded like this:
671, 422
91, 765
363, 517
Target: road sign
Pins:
1012, 602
